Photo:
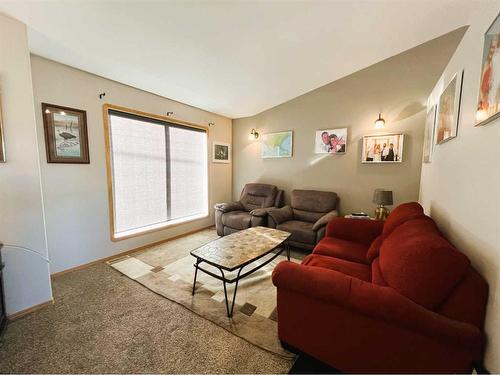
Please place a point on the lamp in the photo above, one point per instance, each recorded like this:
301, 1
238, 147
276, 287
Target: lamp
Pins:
253, 135
382, 198
380, 122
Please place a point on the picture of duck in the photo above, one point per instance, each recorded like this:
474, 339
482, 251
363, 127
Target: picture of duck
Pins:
67, 135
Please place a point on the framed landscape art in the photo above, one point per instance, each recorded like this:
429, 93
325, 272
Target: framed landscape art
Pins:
430, 121
277, 145
449, 109
66, 139
488, 103
332, 141
221, 152
385, 148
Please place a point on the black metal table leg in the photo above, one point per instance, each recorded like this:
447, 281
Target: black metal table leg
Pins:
225, 292
230, 311
195, 274
287, 247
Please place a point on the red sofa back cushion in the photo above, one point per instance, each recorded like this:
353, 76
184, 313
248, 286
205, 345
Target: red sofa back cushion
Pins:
374, 249
400, 215
420, 264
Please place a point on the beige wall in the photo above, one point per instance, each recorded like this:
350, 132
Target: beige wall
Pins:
22, 227
76, 195
460, 187
397, 87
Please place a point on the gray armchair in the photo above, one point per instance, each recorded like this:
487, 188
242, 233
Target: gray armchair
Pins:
249, 211
306, 217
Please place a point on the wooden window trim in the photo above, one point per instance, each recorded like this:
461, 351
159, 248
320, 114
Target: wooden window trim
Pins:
109, 168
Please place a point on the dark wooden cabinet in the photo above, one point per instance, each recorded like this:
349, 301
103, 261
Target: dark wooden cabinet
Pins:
3, 313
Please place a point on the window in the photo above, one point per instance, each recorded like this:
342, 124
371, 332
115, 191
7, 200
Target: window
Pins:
158, 173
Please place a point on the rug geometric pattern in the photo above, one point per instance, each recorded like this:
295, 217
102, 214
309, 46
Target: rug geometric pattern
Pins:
168, 270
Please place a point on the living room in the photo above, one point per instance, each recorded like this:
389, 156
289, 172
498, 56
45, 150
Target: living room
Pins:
179, 179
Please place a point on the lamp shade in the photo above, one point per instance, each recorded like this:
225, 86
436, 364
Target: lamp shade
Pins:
382, 197
380, 122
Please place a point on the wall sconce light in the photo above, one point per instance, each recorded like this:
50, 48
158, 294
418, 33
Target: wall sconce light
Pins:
380, 122
253, 135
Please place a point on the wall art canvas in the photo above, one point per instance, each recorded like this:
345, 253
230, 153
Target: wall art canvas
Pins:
332, 141
277, 145
430, 121
66, 139
386, 148
221, 152
488, 106
448, 110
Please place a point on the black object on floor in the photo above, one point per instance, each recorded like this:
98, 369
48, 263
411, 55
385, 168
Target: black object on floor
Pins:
306, 364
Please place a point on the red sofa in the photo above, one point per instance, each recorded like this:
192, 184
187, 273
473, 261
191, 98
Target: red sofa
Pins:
391, 296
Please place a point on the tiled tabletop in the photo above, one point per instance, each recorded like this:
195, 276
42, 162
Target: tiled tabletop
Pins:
241, 247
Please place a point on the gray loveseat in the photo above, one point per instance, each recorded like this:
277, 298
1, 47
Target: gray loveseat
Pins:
249, 211
306, 217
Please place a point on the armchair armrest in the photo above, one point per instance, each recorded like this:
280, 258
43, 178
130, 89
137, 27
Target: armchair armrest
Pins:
355, 230
375, 301
280, 215
323, 220
230, 206
260, 212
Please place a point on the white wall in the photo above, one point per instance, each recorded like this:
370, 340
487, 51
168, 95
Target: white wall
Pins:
26, 275
76, 194
460, 188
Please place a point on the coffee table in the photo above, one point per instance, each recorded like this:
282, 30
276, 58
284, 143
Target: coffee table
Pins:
237, 251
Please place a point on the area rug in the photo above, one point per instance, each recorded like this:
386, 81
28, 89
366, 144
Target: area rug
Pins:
169, 272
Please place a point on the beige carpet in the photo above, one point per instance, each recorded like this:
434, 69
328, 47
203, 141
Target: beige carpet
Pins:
104, 322
254, 318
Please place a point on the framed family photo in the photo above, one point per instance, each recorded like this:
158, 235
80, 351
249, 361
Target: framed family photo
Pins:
277, 145
430, 122
488, 103
332, 141
221, 152
66, 139
386, 148
449, 109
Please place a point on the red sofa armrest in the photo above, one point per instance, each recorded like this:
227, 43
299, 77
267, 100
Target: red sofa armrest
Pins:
362, 231
376, 301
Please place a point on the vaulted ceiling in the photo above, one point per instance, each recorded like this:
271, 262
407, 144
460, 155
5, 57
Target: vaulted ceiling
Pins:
235, 58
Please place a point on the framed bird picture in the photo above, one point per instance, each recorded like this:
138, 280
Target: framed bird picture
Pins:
66, 139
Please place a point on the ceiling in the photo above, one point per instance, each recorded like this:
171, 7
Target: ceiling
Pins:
234, 58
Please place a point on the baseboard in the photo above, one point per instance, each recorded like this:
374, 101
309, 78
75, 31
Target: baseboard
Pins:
29, 310
126, 252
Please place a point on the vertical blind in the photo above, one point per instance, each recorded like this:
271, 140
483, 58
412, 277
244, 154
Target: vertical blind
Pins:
159, 172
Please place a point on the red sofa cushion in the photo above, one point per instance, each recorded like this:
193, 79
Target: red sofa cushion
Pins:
419, 263
400, 215
374, 250
377, 277
355, 230
347, 250
467, 303
357, 270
